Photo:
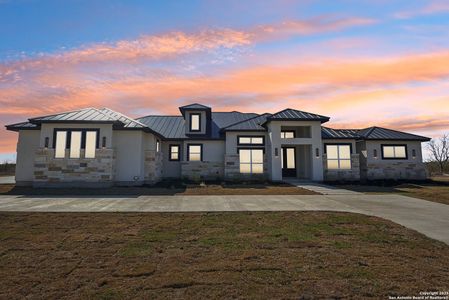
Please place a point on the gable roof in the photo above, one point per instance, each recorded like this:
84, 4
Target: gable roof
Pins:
370, 133
125, 120
77, 116
252, 124
194, 106
379, 133
290, 114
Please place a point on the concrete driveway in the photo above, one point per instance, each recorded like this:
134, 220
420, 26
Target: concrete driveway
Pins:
429, 218
7, 179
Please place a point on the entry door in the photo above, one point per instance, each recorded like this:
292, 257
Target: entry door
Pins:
288, 161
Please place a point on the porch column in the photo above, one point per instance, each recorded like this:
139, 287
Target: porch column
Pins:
274, 161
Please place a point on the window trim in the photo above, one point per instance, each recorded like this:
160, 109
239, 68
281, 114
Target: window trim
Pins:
199, 122
251, 144
289, 130
83, 136
338, 159
394, 145
188, 151
170, 152
251, 163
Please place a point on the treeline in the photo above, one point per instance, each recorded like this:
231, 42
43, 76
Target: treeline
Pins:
7, 168
433, 168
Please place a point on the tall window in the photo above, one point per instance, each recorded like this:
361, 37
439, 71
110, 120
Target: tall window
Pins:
174, 153
250, 140
251, 161
75, 140
158, 146
75, 144
91, 143
394, 151
287, 134
194, 152
195, 122
338, 157
60, 144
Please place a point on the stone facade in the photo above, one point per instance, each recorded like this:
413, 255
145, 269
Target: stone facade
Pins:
343, 175
67, 172
232, 170
396, 170
202, 170
153, 166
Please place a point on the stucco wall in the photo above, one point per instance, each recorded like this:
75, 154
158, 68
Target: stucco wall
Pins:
274, 137
373, 168
27, 144
171, 169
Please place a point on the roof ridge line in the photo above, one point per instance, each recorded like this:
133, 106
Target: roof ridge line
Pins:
64, 112
244, 120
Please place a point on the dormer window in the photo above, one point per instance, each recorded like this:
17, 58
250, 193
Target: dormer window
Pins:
195, 122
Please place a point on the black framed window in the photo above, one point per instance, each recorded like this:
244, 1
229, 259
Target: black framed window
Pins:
394, 151
251, 140
195, 152
174, 153
195, 122
75, 139
288, 134
251, 161
338, 156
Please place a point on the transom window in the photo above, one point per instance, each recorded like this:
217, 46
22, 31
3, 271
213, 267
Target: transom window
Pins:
75, 140
250, 140
195, 122
251, 161
288, 134
338, 157
195, 152
394, 151
174, 153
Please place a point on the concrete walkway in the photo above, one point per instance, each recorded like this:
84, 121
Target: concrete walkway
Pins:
429, 218
7, 180
320, 187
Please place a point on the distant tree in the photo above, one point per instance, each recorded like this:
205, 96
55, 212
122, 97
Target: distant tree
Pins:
439, 151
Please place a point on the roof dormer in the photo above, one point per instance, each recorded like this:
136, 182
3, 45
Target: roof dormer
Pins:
197, 118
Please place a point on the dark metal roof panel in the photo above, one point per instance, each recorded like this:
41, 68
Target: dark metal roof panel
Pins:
194, 106
170, 127
252, 124
330, 133
379, 133
22, 126
127, 121
85, 115
293, 114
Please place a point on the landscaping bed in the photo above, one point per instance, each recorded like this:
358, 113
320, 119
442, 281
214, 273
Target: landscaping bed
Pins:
215, 255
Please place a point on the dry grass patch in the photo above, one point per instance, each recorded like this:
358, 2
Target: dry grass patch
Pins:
214, 255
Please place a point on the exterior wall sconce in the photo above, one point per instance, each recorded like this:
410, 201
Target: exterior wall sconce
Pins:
103, 142
413, 153
375, 153
276, 152
47, 141
317, 152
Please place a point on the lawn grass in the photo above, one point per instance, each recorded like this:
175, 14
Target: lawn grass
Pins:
215, 255
166, 188
436, 190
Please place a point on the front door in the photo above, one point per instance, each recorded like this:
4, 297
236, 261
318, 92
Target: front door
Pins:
288, 161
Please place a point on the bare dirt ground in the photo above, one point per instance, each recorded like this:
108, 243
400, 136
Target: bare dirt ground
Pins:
215, 255
166, 189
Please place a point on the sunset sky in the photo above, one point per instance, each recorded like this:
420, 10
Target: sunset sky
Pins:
363, 63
